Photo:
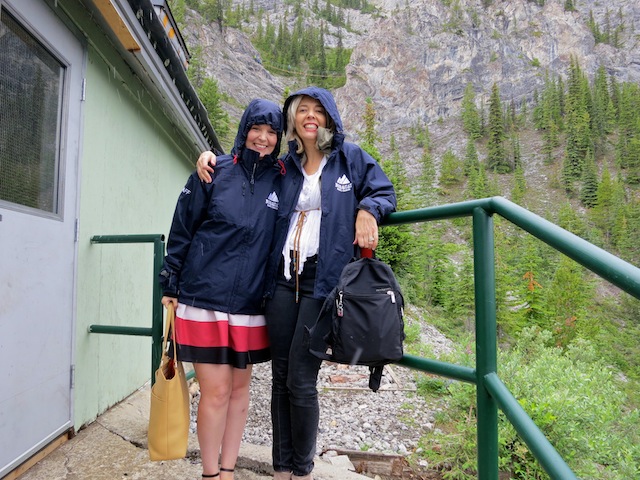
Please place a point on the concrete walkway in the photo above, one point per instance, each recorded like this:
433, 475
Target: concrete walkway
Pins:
114, 447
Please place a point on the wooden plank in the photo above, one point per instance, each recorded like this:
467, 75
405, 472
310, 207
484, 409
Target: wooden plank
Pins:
117, 25
383, 464
23, 467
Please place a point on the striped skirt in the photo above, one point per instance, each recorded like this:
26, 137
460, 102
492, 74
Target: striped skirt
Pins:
206, 336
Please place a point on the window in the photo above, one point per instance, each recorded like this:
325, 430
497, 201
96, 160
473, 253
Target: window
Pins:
31, 86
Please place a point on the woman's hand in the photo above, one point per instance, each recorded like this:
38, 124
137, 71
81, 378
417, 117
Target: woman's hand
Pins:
366, 230
167, 300
204, 166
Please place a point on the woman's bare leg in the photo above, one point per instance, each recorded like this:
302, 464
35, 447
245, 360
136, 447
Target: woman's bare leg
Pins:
236, 420
216, 383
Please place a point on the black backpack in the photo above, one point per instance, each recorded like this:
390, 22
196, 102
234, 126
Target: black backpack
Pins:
361, 320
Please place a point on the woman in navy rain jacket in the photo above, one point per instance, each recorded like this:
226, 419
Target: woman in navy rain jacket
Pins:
214, 272
333, 196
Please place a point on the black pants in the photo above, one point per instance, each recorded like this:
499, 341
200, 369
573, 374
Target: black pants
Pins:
295, 411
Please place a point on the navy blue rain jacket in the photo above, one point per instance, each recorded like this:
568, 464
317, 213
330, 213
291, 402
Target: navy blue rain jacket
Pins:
221, 232
351, 180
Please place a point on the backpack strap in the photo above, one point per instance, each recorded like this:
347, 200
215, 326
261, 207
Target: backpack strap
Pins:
375, 377
317, 337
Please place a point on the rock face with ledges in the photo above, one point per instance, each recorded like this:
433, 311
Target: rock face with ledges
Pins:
416, 64
415, 58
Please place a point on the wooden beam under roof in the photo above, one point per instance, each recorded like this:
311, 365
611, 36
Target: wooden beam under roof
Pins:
117, 25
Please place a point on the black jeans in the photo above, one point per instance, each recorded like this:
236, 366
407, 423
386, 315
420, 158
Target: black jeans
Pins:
295, 411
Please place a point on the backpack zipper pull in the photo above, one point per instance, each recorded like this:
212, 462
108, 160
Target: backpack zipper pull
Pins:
339, 305
392, 295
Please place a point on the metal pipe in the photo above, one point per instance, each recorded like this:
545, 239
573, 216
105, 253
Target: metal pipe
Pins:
449, 370
121, 330
138, 238
541, 448
486, 343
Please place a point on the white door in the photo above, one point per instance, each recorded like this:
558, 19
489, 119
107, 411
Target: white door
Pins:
41, 65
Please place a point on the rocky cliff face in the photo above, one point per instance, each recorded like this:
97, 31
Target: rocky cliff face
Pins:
416, 64
414, 58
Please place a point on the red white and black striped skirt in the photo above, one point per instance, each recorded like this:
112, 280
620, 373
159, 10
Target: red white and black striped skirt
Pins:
206, 336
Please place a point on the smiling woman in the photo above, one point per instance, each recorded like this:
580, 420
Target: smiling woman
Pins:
262, 139
333, 196
223, 230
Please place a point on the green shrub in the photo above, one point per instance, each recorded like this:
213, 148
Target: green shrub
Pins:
570, 394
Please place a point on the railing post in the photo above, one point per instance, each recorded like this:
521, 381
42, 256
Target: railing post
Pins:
156, 330
486, 344
157, 312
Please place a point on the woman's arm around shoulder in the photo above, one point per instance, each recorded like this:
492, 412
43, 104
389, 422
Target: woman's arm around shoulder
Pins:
204, 166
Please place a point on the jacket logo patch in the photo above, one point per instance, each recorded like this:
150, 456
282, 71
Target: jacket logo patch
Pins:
272, 201
186, 191
343, 184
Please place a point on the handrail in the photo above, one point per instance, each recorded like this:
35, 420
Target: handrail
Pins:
608, 266
155, 332
541, 448
491, 392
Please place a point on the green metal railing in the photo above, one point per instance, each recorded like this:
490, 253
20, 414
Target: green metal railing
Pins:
491, 393
156, 330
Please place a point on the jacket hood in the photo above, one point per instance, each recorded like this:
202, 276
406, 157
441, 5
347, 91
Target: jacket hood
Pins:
325, 98
259, 112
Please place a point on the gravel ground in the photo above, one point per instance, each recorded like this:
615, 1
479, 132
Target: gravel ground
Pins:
352, 417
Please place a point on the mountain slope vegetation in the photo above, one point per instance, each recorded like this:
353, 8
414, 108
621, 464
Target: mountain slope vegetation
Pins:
536, 101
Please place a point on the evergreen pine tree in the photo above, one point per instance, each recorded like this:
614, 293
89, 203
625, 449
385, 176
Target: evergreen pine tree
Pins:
594, 27
478, 185
369, 136
322, 60
440, 272
569, 220
559, 103
519, 190
515, 150
471, 162
470, 117
632, 176
458, 303
600, 110
178, 9
212, 100
530, 290
426, 180
450, 169
196, 73
603, 211
566, 300
628, 130
589, 189
579, 139
537, 113
395, 170
496, 156
628, 231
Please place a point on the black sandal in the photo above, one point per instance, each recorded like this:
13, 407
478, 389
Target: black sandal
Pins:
230, 470
211, 476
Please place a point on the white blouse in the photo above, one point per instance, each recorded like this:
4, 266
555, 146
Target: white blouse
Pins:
304, 227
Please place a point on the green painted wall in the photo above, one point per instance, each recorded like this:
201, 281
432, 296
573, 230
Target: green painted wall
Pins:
133, 165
